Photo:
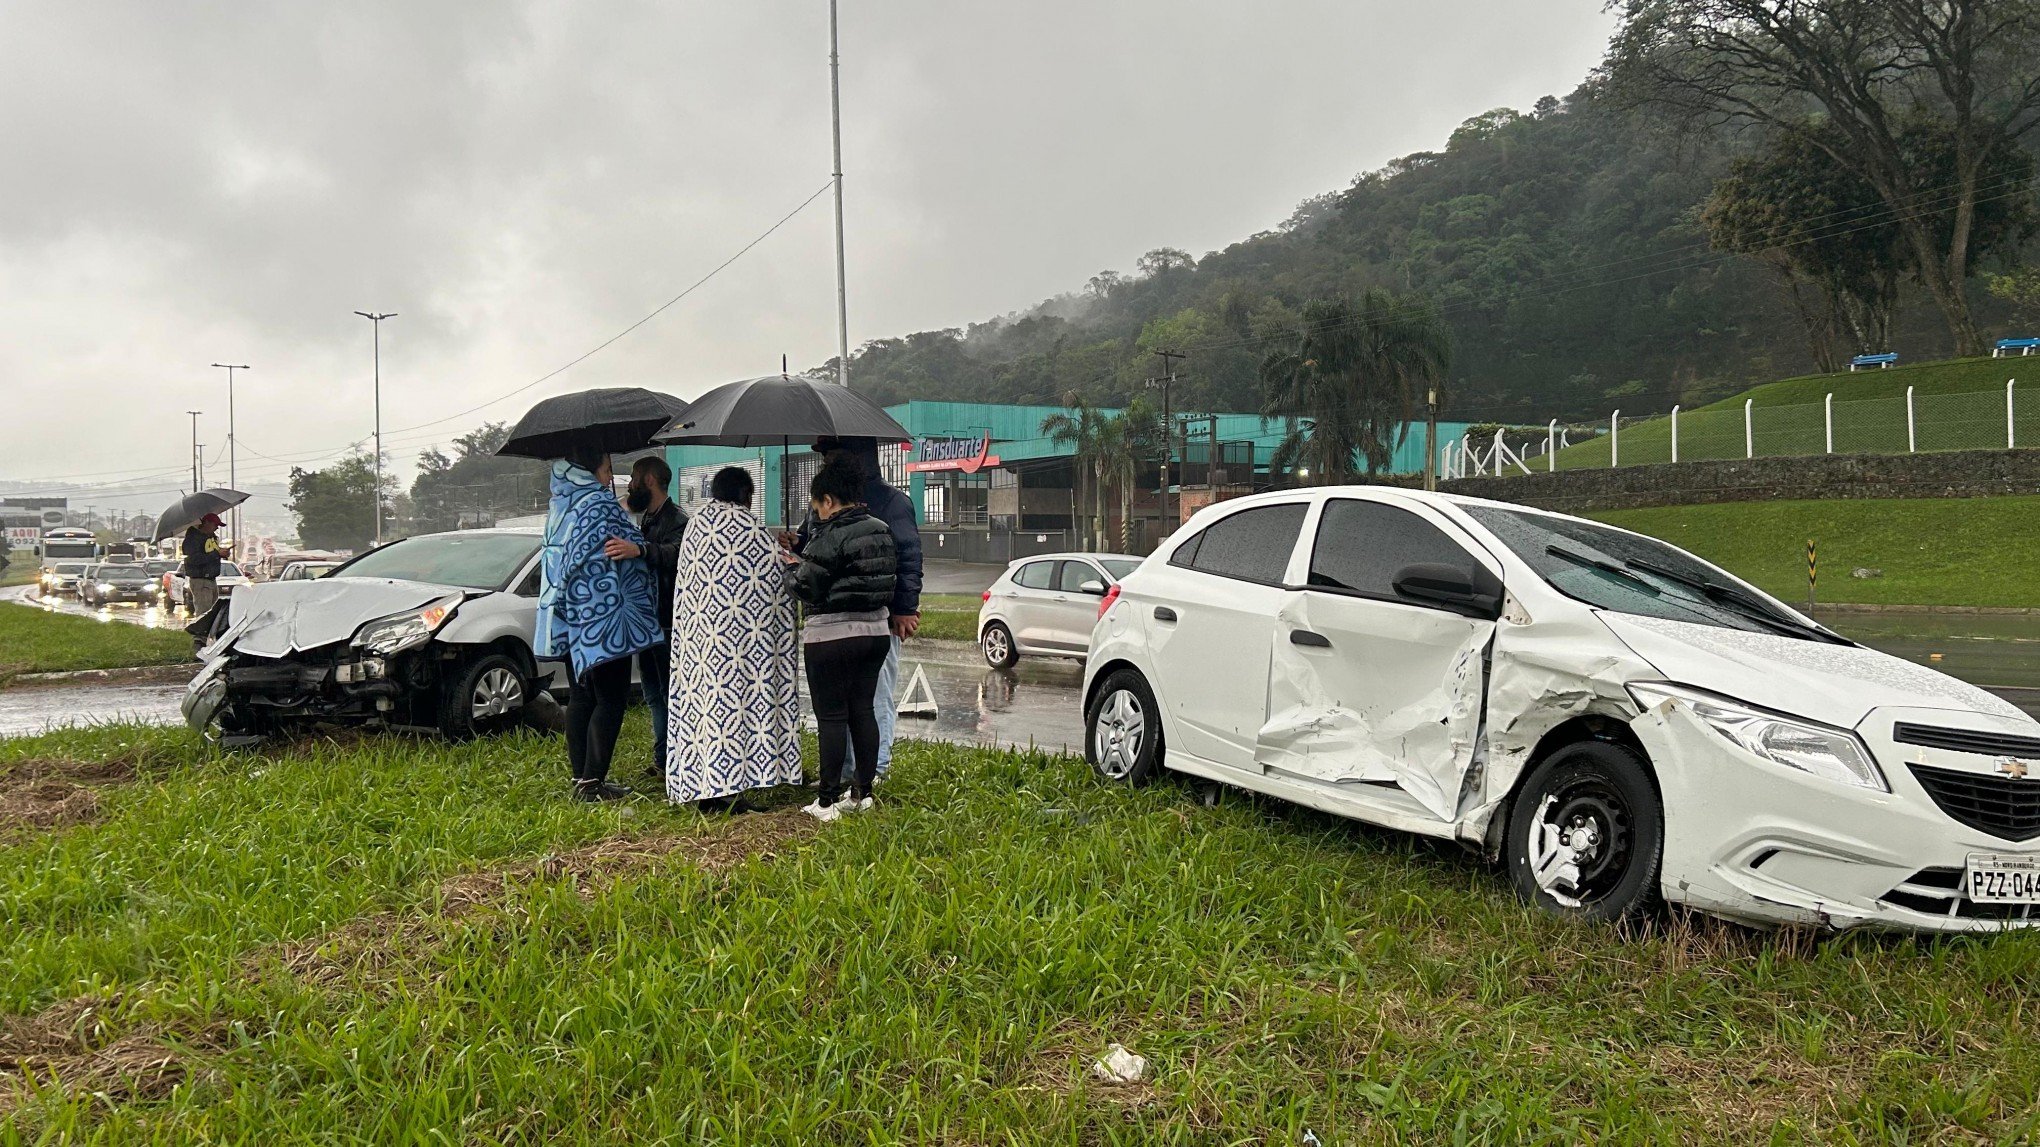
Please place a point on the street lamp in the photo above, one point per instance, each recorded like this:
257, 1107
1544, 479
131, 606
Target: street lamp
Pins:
194, 448
377, 320
233, 470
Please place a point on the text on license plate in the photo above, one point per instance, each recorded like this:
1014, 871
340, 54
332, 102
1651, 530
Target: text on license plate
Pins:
2003, 879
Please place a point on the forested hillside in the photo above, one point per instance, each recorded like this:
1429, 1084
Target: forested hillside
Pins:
1564, 247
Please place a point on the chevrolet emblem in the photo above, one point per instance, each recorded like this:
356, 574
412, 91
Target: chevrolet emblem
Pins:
2011, 767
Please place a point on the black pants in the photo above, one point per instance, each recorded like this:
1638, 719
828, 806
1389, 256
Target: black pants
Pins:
655, 675
594, 717
842, 678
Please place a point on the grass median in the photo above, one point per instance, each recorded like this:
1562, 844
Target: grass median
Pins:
387, 939
36, 640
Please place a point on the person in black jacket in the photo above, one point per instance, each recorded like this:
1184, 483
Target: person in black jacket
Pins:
202, 564
846, 576
664, 525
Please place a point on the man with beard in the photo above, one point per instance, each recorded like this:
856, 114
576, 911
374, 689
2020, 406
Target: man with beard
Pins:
663, 524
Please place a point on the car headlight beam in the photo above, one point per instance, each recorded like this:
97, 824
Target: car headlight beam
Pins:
402, 631
1832, 754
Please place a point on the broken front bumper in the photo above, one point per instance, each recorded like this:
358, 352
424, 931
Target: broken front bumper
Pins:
1764, 844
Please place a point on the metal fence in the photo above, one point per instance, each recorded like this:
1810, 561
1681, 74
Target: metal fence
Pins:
1973, 420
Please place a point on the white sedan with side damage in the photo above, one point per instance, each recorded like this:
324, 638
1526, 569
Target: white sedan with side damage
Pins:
1617, 720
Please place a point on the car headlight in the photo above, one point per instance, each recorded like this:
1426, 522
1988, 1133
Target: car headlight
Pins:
106, 587
404, 630
1833, 754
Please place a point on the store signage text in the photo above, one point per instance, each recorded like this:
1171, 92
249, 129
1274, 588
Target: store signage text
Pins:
966, 454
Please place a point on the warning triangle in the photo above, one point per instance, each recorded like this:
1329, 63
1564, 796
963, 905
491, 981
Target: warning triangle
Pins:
919, 698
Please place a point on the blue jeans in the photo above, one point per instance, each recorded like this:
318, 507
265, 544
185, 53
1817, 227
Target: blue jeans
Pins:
885, 707
655, 670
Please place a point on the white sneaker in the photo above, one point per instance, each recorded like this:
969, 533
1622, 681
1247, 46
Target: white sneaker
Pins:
827, 815
861, 806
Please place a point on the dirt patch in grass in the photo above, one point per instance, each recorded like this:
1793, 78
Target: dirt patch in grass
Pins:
78, 1045
38, 806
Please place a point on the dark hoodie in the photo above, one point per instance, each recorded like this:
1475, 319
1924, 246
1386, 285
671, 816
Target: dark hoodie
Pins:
896, 510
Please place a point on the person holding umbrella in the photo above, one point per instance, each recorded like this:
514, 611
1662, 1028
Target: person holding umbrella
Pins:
201, 552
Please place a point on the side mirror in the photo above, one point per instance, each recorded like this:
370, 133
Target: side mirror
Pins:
1094, 587
1475, 592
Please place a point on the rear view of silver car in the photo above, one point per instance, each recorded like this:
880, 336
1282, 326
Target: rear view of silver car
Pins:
429, 632
1046, 606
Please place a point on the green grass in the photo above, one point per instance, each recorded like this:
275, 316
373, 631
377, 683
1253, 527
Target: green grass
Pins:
948, 625
1958, 404
21, 569
938, 971
33, 640
1933, 551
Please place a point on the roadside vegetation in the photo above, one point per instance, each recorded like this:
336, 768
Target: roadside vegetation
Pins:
949, 616
21, 569
34, 640
411, 939
1931, 551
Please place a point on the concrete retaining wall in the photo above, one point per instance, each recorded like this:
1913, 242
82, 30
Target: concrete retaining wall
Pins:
1955, 474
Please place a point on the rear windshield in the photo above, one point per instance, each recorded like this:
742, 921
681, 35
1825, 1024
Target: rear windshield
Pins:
1629, 573
470, 561
1119, 567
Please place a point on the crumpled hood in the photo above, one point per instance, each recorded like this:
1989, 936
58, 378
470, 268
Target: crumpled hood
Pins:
284, 617
1834, 684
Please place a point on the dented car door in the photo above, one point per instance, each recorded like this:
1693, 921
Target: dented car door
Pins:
1368, 684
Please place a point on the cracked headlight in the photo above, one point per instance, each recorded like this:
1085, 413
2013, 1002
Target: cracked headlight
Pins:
404, 630
1832, 754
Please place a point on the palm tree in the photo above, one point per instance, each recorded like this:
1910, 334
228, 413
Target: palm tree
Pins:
1118, 456
1351, 382
1084, 429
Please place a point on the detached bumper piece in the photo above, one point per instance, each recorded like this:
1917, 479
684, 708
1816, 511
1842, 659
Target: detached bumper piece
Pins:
1938, 892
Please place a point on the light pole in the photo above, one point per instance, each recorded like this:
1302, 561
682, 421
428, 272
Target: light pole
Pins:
194, 448
377, 320
836, 136
233, 467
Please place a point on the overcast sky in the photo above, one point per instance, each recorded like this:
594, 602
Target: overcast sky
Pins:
188, 183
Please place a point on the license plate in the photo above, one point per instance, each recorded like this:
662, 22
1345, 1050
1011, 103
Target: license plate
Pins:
2003, 879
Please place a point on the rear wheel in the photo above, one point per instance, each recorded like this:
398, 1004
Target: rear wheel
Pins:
487, 696
1586, 834
999, 649
1123, 730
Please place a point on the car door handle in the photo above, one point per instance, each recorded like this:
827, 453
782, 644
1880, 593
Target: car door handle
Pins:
1164, 613
1306, 637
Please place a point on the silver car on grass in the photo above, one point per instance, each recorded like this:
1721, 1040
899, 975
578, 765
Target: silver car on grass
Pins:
1046, 606
433, 631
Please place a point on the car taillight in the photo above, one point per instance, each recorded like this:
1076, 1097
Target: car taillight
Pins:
988, 595
1111, 595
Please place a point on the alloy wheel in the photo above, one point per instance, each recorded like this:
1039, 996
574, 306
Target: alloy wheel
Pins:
498, 693
998, 647
1119, 733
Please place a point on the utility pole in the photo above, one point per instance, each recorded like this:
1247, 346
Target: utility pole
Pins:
1166, 382
836, 138
198, 451
377, 496
194, 448
233, 465
1431, 439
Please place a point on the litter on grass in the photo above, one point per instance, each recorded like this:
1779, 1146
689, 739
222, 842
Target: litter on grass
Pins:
1120, 1066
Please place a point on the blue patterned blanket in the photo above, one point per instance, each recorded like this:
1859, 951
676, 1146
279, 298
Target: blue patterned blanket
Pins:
591, 610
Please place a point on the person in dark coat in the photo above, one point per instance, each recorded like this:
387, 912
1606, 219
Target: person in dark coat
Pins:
202, 564
896, 510
847, 575
663, 525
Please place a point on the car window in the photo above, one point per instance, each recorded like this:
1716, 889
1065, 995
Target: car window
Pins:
1252, 545
529, 586
1074, 575
473, 560
229, 569
1035, 575
1119, 567
1361, 546
1643, 576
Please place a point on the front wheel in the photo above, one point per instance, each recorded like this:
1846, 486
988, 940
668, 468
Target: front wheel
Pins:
1586, 834
488, 695
1123, 730
997, 643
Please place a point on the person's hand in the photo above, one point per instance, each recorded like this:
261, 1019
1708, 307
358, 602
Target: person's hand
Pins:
616, 549
905, 625
788, 539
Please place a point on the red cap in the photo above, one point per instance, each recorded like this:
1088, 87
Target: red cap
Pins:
210, 520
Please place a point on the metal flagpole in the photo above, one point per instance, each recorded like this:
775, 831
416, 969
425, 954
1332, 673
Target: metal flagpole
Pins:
836, 133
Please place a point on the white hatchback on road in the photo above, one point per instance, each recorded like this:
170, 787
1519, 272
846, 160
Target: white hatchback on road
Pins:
1617, 720
1046, 605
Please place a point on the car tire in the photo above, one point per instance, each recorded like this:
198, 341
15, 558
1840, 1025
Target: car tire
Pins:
1123, 730
488, 695
1586, 834
998, 646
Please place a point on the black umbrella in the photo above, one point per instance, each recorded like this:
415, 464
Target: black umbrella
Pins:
185, 512
611, 420
779, 410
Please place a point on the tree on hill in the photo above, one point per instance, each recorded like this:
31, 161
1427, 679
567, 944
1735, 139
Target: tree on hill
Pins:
1846, 77
473, 485
1352, 380
334, 507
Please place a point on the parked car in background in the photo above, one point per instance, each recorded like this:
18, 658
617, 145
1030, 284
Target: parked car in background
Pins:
1617, 721
63, 578
431, 631
1046, 606
111, 582
231, 578
307, 570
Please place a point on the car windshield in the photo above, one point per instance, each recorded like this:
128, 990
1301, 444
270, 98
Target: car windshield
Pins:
69, 568
1629, 573
468, 560
161, 567
229, 569
1119, 567
122, 573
